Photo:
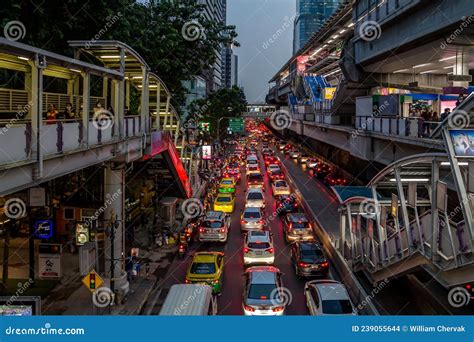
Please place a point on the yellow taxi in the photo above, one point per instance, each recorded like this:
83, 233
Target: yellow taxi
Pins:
207, 268
225, 203
227, 186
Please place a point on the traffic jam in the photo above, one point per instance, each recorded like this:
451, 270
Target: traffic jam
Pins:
254, 245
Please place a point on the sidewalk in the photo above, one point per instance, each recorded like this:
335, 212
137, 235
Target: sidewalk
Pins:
71, 297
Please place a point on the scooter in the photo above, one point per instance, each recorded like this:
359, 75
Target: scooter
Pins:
181, 250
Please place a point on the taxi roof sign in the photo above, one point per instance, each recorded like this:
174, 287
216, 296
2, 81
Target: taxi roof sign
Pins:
92, 281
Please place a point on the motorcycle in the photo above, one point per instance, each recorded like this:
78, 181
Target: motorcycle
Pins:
181, 250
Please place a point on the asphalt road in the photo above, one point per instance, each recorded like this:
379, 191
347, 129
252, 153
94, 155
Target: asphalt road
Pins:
230, 301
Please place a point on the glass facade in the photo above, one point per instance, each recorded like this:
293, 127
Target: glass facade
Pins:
310, 16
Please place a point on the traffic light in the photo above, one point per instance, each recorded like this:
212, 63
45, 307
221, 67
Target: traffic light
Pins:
92, 281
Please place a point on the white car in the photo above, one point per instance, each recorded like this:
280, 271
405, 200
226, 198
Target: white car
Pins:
273, 167
264, 294
258, 248
280, 187
311, 163
255, 198
328, 297
295, 154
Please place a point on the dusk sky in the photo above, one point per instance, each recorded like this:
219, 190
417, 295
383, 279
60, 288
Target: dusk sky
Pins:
265, 29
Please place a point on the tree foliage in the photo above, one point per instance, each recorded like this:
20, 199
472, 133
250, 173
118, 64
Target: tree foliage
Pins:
220, 104
155, 29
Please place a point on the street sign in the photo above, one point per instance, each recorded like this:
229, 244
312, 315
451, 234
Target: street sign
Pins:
92, 281
205, 126
49, 260
44, 229
236, 125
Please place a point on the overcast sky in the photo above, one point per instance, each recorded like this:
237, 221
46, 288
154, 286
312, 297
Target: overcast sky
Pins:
265, 29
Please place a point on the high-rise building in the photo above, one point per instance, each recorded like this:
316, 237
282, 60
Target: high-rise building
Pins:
215, 10
310, 17
230, 68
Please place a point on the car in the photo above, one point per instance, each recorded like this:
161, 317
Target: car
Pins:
295, 154
234, 174
258, 248
321, 170
206, 268
263, 292
281, 146
286, 204
227, 186
273, 167
251, 219
255, 198
225, 203
303, 158
280, 187
233, 164
271, 160
255, 180
335, 178
276, 175
288, 148
311, 163
253, 168
328, 297
214, 227
309, 260
297, 227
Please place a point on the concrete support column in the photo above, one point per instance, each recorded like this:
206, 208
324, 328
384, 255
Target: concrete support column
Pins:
70, 90
144, 107
105, 91
167, 112
36, 115
114, 219
85, 107
158, 106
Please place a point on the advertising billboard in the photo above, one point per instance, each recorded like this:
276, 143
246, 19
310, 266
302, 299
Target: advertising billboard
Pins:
463, 142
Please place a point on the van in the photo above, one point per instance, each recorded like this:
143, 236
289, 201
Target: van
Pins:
189, 300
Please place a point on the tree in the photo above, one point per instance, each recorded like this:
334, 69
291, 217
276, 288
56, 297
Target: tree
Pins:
174, 37
222, 103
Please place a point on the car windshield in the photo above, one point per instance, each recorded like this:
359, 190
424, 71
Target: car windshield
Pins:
258, 245
299, 225
337, 307
227, 182
311, 253
280, 184
212, 224
255, 176
203, 268
255, 196
263, 292
223, 199
276, 172
252, 215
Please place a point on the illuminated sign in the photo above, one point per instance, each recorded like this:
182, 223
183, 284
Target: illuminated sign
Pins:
463, 142
82, 234
329, 93
44, 229
206, 152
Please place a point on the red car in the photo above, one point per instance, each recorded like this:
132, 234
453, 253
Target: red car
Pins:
271, 160
335, 179
233, 173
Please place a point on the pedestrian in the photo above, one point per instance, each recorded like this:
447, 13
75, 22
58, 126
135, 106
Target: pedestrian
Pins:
69, 112
51, 115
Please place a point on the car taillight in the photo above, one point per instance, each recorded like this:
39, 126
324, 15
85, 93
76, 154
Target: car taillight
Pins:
246, 250
278, 309
270, 250
243, 221
325, 264
260, 221
249, 308
201, 230
303, 264
187, 281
